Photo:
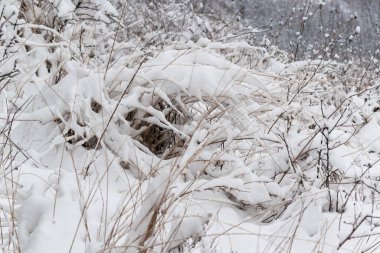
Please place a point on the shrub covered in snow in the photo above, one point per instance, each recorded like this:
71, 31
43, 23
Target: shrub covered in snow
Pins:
143, 132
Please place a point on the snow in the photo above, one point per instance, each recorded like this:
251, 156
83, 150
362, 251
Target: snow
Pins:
195, 145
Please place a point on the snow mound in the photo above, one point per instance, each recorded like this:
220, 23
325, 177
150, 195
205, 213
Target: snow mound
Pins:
195, 146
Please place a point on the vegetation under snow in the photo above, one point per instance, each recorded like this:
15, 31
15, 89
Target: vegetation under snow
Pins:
150, 127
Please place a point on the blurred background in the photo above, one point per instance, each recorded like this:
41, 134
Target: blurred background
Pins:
302, 27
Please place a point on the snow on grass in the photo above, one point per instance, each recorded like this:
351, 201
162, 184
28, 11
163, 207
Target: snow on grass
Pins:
197, 146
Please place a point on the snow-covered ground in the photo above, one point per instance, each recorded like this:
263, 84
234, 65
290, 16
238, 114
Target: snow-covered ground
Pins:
117, 145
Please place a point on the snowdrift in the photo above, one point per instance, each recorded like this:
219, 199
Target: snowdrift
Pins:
193, 146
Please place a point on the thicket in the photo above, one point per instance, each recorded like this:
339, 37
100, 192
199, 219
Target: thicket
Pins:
170, 104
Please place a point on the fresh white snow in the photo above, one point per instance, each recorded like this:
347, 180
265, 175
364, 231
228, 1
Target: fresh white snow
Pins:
196, 146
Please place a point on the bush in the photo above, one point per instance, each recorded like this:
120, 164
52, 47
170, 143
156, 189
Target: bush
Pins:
150, 132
